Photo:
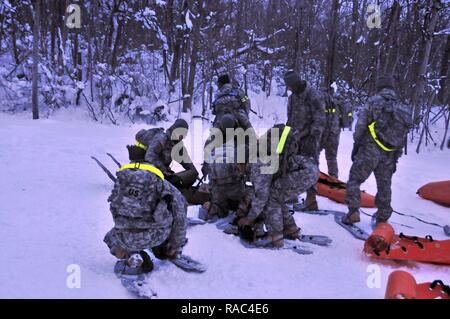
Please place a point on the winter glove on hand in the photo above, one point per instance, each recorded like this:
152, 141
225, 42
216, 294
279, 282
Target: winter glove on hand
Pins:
309, 147
175, 180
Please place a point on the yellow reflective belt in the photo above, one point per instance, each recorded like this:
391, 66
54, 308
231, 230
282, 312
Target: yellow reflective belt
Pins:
144, 167
283, 139
330, 110
140, 145
375, 138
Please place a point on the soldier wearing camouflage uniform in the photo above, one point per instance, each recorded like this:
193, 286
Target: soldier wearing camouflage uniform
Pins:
158, 146
231, 100
226, 176
148, 213
272, 190
306, 116
379, 138
331, 134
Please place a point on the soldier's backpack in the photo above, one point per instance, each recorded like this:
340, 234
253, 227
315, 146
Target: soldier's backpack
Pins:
223, 166
229, 102
392, 120
135, 197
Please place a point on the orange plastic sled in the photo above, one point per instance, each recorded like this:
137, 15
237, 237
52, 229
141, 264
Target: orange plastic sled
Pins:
438, 192
402, 285
335, 189
385, 244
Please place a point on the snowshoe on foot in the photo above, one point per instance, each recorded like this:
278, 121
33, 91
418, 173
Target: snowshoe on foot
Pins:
351, 218
291, 232
203, 213
270, 241
310, 203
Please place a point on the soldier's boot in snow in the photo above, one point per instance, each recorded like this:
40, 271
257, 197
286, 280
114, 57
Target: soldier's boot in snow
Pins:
135, 261
270, 241
259, 230
377, 219
138, 264
204, 213
351, 218
291, 232
311, 201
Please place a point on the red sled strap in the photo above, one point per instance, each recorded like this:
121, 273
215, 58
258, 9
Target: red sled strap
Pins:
402, 285
384, 244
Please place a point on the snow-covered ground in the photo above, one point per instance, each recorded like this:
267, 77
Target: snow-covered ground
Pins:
54, 213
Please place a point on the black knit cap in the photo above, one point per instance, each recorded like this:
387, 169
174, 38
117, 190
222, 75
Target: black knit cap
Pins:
291, 78
385, 81
223, 79
180, 123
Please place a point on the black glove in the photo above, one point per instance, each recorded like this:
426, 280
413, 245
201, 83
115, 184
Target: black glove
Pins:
354, 151
205, 169
309, 147
175, 180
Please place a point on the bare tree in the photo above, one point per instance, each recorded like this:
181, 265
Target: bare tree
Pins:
36, 24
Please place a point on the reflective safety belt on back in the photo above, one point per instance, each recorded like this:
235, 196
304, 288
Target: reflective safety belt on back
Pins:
283, 139
376, 139
144, 167
330, 110
140, 145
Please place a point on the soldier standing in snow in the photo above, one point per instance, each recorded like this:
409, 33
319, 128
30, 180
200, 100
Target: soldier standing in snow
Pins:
231, 100
306, 116
271, 191
148, 213
331, 134
379, 138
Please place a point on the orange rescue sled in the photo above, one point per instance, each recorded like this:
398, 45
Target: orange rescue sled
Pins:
402, 285
383, 243
335, 189
438, 192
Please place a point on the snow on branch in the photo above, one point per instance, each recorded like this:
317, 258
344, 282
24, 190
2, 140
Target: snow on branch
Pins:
442, 32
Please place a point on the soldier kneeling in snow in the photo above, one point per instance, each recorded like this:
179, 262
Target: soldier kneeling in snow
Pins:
294, 175
148, 213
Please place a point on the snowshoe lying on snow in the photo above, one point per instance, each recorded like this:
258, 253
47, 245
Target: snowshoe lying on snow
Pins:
188, 264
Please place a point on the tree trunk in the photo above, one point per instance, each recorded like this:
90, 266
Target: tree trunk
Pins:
194, 56
330, 77
36, 22
443, 93
421, 78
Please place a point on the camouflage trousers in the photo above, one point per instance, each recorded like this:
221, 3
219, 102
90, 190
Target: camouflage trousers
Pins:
370, 159
331, 145
123, 241
276, 214
228, 197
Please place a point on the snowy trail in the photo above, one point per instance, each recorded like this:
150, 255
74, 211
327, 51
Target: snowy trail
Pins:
53, 213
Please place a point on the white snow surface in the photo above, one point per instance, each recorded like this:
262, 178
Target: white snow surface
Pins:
54, 213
